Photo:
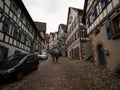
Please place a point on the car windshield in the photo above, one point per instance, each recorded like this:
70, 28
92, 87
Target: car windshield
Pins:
13, 58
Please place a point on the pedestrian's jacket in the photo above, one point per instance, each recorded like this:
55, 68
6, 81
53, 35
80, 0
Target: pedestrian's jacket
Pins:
57, 54
53, 53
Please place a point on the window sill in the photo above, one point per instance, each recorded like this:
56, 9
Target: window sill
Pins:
116, 36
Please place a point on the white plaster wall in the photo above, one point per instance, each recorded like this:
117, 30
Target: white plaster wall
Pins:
1, 36
7, 2
113, 46
1, 4
12, 49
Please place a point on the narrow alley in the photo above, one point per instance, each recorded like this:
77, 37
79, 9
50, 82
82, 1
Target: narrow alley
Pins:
66, 75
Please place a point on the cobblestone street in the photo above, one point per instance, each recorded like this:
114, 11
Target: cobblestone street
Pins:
66, 75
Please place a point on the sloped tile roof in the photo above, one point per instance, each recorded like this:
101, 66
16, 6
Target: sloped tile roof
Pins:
41, 26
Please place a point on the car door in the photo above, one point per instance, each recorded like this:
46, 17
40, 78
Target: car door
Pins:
29, 63
36, 60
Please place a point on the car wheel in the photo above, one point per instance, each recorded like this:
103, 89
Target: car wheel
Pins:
19, 75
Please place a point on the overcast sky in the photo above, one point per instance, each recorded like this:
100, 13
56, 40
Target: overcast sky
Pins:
52, 12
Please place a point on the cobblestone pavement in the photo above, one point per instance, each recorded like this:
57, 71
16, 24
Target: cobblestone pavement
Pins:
67, 75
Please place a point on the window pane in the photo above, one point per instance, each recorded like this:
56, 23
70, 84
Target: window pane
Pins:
102, 3
14, 7
6, 25
109, 29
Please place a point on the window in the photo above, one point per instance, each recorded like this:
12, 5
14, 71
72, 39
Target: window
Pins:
116, 25
21, 18
100, 8
28, 25
102, 3
32, 31
14, 7
109, 29
17, 33
6, 25
70, 19
11, 29
25, 39
22, 37
97, 10
87, 22
93, 14
91, 19
80, 19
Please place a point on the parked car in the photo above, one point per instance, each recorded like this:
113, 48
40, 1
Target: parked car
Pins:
18, 65
43, 56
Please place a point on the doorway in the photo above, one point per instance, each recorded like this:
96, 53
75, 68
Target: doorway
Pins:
101, 54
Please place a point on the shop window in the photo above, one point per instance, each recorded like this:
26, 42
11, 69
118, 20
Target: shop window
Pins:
6, 25
109, 29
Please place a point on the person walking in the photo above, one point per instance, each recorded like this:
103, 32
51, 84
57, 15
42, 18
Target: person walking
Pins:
53, 54
56, 56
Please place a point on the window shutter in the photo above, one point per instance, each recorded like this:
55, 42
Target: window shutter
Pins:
102, 3
19, 36
25, 39
15, 32
109, 29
